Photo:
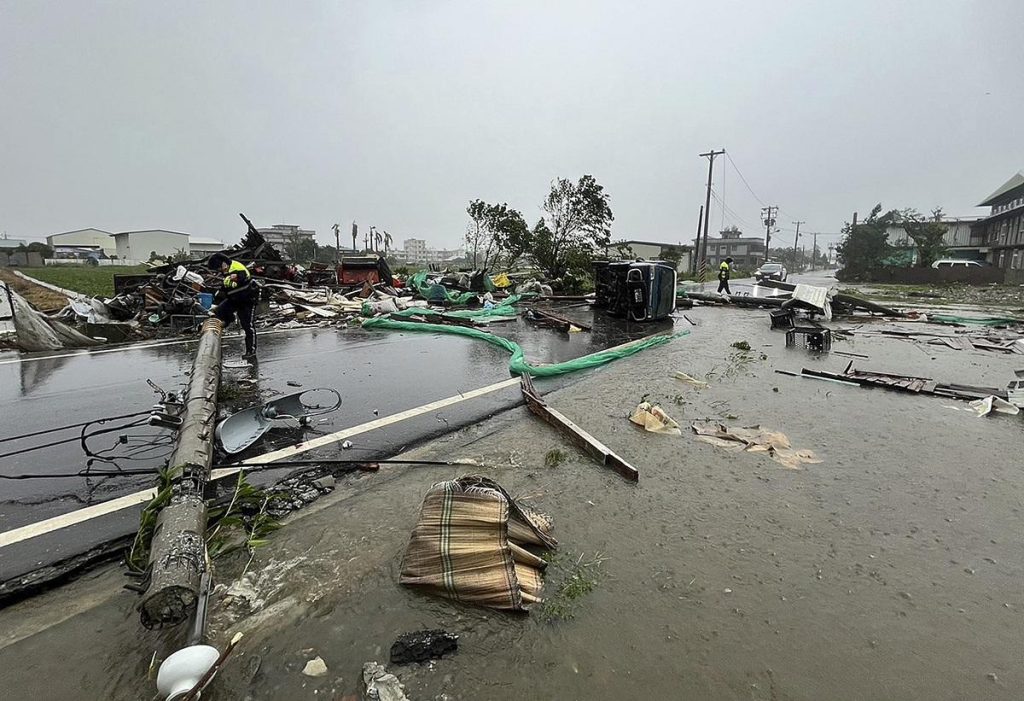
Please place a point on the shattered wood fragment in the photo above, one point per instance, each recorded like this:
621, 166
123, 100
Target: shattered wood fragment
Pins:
907, 383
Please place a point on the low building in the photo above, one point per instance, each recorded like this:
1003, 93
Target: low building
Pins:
747, 252
88, 238
963, 239
142, 245
199, 246
286, 238
8, 245
78, 252
1002, 231
654, 250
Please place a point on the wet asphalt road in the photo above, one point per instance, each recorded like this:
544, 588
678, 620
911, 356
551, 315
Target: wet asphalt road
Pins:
378, 373
890, 570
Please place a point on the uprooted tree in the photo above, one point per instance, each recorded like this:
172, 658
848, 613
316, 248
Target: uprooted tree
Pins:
865, 246
927, 233
577, 222
496, 235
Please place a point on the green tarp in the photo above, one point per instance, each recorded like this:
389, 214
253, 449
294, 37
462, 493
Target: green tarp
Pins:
973, 321
518, 364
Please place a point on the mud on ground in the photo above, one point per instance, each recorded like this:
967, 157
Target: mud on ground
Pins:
41, 298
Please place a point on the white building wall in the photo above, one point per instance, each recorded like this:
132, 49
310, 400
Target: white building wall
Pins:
84, 237
137, 245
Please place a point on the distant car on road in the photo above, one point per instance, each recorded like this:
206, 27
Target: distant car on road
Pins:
957, 263
771, 271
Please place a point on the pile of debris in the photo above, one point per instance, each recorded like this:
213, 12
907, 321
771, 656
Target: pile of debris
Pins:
810, 299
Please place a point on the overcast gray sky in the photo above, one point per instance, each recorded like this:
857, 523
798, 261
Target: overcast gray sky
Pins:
178, 115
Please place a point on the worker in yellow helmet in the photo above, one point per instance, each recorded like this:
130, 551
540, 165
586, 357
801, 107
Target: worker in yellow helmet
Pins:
724, 270
238, 297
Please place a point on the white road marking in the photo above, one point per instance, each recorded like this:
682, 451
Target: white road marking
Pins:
49, 525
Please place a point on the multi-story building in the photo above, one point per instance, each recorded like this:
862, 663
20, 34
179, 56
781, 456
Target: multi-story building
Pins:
417, 251
1002, 231
286, 237
747, 252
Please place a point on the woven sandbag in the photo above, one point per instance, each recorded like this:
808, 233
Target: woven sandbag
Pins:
461, 547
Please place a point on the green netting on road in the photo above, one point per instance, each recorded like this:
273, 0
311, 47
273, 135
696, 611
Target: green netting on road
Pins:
437, 293
518, 365
506, 309
973, 321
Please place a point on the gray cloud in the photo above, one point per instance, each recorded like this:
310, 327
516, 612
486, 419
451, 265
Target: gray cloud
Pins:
179, 115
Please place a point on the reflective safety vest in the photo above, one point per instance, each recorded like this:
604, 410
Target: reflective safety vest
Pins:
723, 271
237, 279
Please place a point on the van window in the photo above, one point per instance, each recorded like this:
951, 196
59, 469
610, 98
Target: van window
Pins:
945, 264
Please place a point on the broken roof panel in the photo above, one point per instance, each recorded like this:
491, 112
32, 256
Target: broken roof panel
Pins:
1011, 184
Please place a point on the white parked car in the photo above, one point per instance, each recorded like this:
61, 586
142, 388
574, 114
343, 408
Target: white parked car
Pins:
957, 263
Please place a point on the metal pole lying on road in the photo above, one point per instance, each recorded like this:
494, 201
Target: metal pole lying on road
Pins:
178, 552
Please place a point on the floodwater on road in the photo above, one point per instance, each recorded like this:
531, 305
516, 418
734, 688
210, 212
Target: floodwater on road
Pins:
378, 373
890, 570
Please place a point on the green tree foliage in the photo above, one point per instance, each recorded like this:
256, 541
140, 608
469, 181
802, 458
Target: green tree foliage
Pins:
927, 233
325, 254
301, 249
864, 247
577, 221
36, 247
793, 258
496, 235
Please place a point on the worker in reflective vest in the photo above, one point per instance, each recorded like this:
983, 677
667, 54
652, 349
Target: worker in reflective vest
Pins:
237, 297
723, 276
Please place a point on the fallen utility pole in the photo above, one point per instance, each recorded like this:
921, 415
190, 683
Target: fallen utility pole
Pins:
841, 298
178, 552
595, 448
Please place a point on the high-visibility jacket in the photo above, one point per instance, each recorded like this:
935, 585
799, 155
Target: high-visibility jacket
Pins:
723, 271
237, 280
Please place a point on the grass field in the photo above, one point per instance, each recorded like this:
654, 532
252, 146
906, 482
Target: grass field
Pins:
91, 280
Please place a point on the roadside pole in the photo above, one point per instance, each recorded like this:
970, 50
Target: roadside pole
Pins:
178, 555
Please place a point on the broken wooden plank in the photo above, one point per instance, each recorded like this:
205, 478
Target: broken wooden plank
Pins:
316, 310
560, 319
593, 447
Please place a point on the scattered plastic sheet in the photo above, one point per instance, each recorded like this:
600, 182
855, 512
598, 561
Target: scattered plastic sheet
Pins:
984, 407
753, 439
654, 419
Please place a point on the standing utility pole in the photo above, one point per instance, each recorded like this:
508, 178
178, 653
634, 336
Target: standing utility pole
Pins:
814, 248
696, 247
710, 155
768, 217
796, 243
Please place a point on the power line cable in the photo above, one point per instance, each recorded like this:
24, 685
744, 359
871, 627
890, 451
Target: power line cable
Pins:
731, 211
750, 189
